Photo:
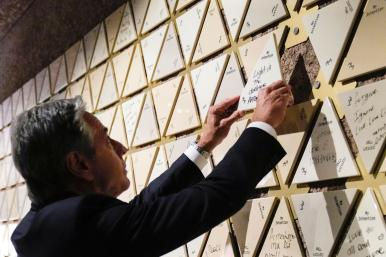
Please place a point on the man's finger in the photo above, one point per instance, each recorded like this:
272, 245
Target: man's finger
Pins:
224, 105
275, 85
280, 91
231, 119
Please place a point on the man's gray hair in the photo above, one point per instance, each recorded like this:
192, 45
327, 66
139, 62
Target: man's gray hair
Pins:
41, 138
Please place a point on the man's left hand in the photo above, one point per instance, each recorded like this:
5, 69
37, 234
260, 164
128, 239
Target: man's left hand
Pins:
220, 119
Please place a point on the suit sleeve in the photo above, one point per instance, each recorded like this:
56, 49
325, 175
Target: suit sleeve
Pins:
156, 227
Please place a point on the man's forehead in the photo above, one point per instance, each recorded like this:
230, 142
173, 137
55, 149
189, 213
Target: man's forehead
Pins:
92, 121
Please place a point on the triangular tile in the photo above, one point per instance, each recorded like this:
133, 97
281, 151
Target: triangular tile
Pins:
7, 108
89, 43
160, 164
232, 83
7, 140
183, 3
143, 162
172, 5
121, 63
234, 11
266, 70
196, 246
70, 55
1, 121
292, 135
157, 12
383, 166
151, 46
109, 90
80, 63
118, 131
369, 43
11, 194
239, 224
269, 180
366, 234
61, 78
331, 210
363, 107
170, 60
76, 88
131, 112
87, 96
327, 154
188, 26
213, 36
29, 95
17, 102
282, 239
112, 26
126, 33
252, 50
45, 88
165, 96
175, 148
261, 14
219, 242
136, 79
178, 252
383, 192
96, 80
259, 218
101, 51
184, 115
106, 117
234, 133
206, 80
140, 8
334, 22
130, 193
147, 130
24, 203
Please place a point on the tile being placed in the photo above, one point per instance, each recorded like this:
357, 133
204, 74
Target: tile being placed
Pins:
333, 22
261, 14
170, 60
366, 234
234, 11
139, 11
118, 131
184, 116
112, 26
126, 33
327, 154
165, 96
108, 94
266, 70
331, 210
213, 36
143, 162
131, 112
101, 51
369, 43
282, 238
121, 63
206, 80
364, 108
188, 26
160, 164
157, 12
136, 79
147, 129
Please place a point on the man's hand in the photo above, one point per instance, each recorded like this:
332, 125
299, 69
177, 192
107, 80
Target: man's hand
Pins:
220, 119
272, 103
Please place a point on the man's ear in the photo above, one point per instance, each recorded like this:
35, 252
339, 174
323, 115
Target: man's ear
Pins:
79, 165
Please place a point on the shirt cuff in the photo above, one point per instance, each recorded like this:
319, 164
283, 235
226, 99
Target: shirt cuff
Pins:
196, 157
263, 126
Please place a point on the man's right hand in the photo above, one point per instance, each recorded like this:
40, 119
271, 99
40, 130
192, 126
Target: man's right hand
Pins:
272, 103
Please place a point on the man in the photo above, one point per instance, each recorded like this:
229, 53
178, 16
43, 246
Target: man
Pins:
74, 171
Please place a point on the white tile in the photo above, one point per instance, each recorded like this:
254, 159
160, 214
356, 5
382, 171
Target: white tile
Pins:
364, 108
45, 88
369, 43
172, 5
170, 59
175, 148
70, 56
327, 154
127, 33
234, 11
165, 96
160, 164
262, 13
183, 3
282, 239
7, 140
184, 115
259, 217
206, 80
330, 210
11, 194
87, 96
89, 43
219, 243
196, 246
269, 180
80, 67
332, 23
131, 112
157, 12
143, 161
266, 70
188, 26
136, 79
106, 117
151, 46
179, 252
7, 111
118, 131
383, 192
101, 51
17, 102
58, 74
121, 63
232, 83
147, 130
213, 36
109, 92
112, 26
96, 80
139, 10
366, 235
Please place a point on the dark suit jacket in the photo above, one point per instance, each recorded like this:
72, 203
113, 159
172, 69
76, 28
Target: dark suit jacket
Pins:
174, 209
